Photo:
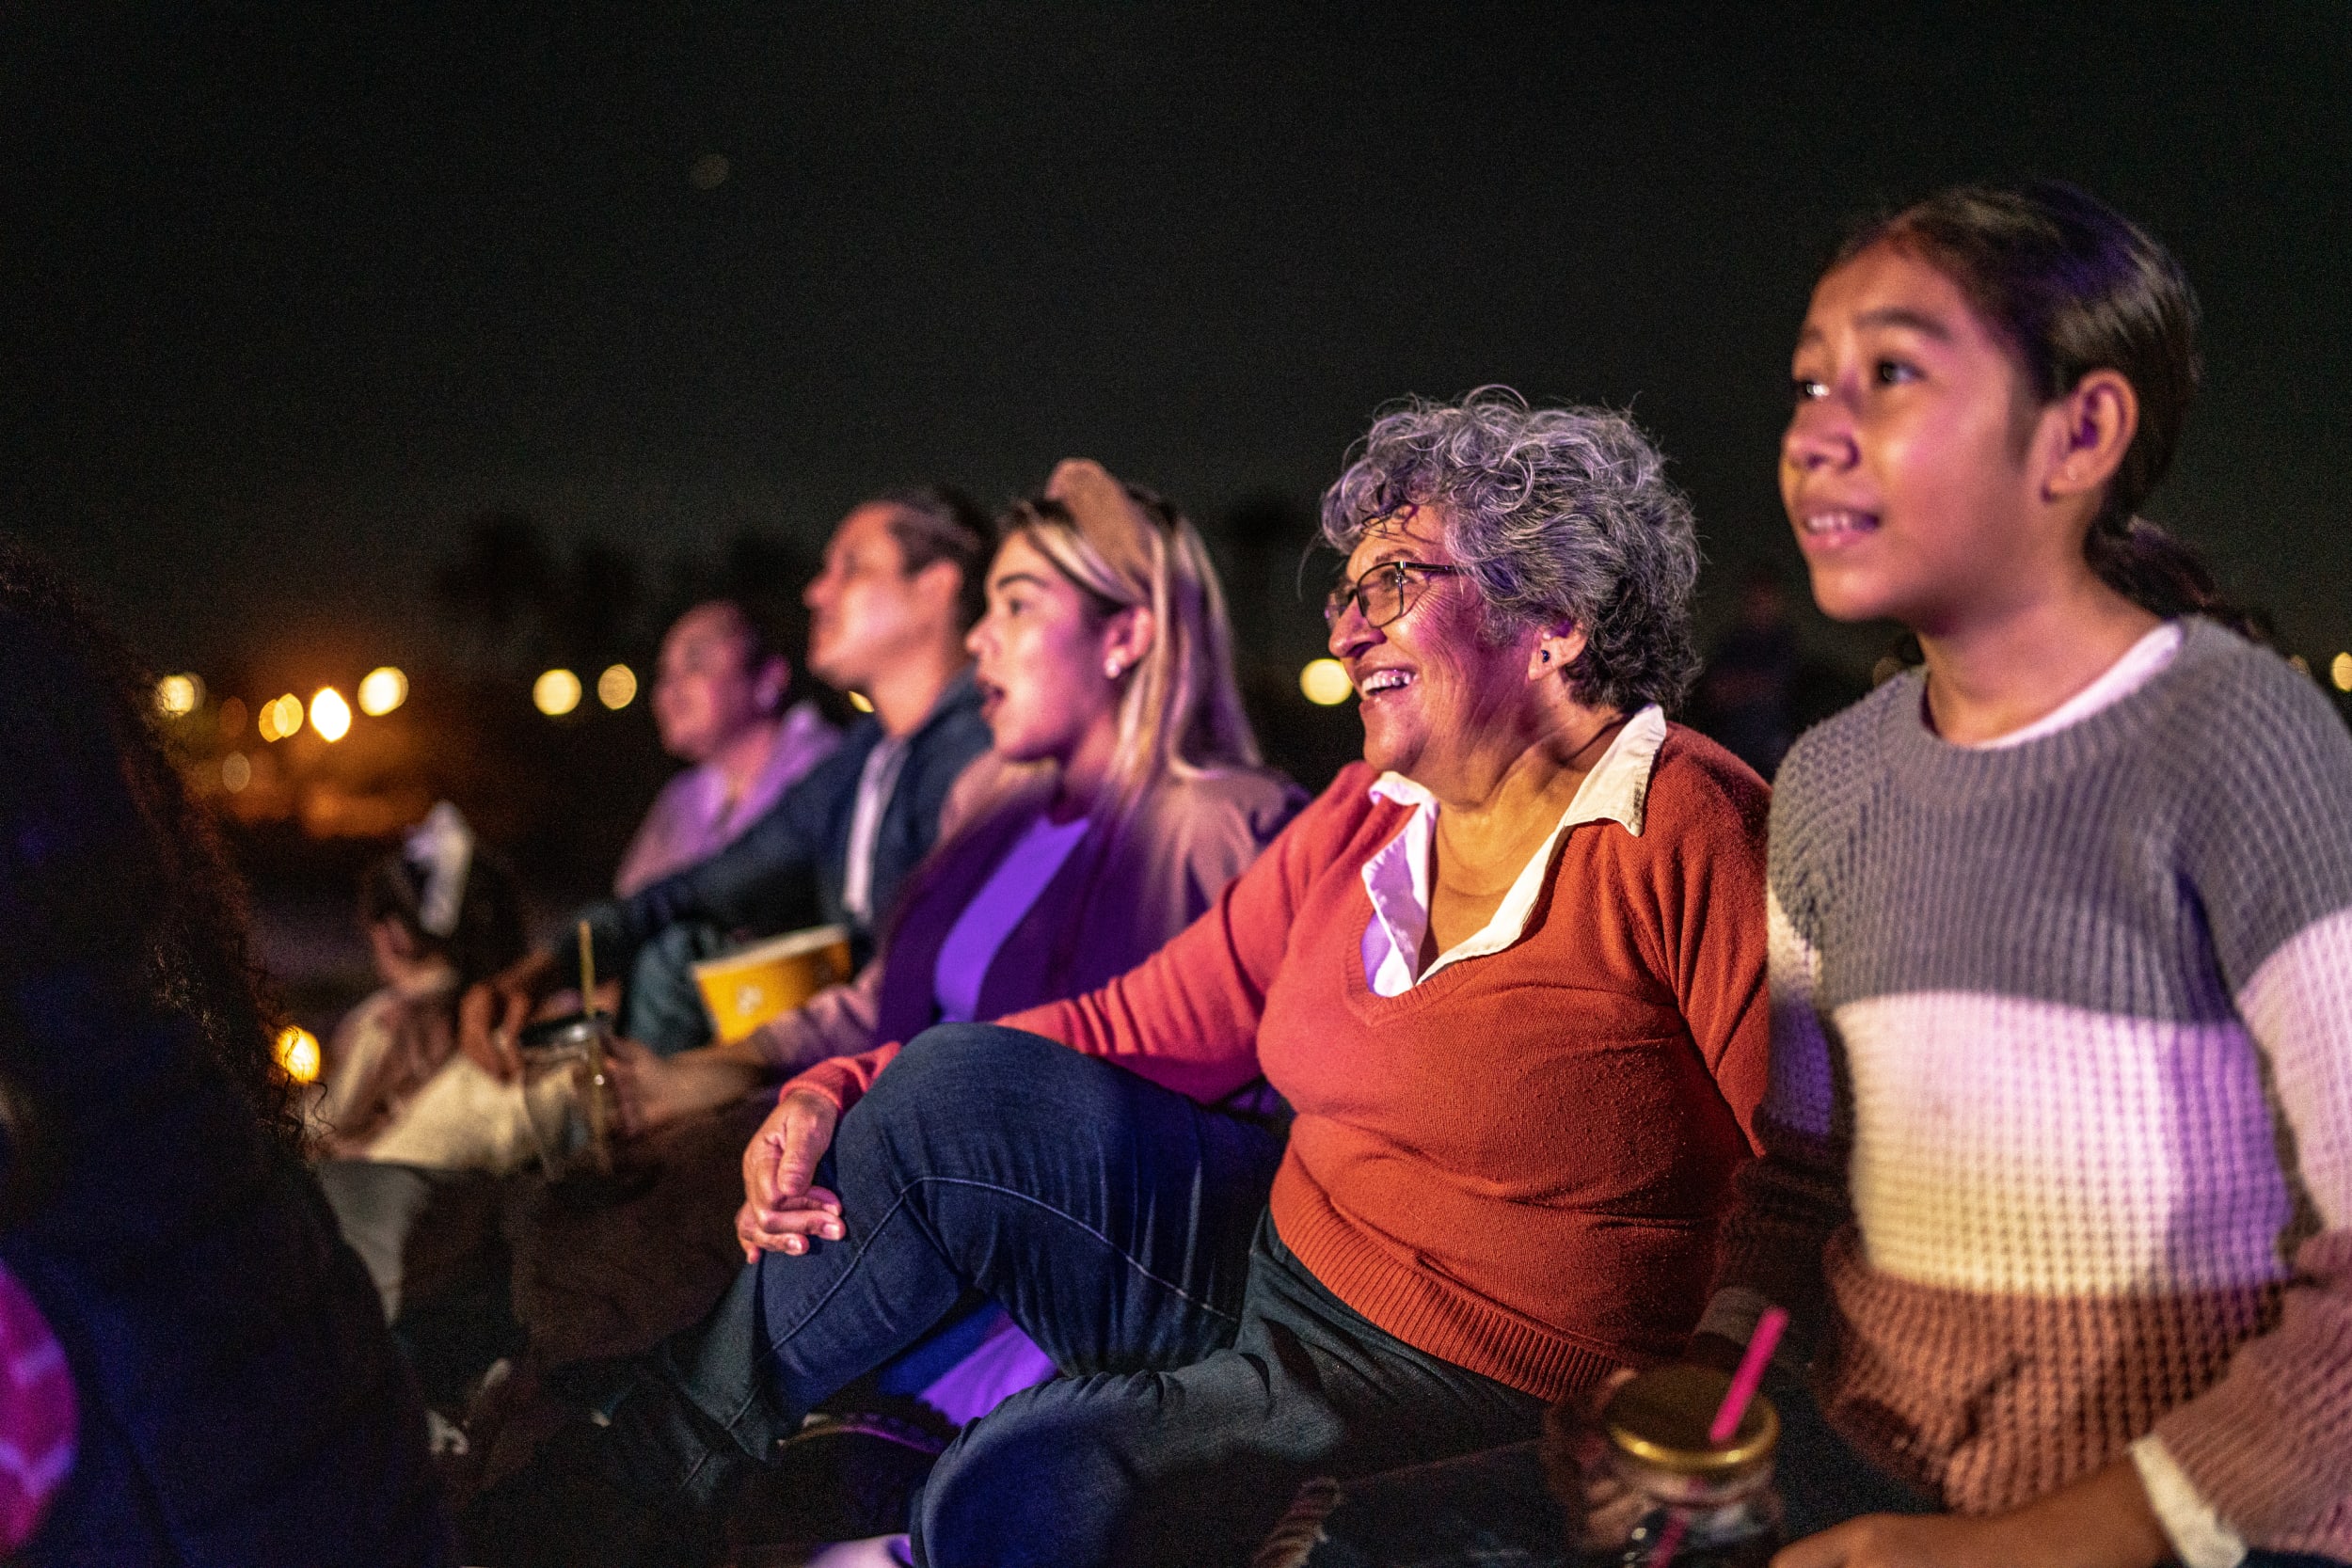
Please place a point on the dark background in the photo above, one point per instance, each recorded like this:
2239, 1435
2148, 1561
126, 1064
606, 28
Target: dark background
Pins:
296, 296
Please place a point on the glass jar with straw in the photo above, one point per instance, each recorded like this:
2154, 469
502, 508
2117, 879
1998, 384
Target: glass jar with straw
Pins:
1696, 1446
570, 1101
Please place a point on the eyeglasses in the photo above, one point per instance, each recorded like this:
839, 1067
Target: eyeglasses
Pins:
1386, 591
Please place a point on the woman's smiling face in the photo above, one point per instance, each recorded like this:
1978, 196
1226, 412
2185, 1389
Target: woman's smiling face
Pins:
1433, 685
1904, 469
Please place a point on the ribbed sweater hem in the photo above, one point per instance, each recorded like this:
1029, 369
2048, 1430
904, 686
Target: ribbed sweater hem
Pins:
1423, 1312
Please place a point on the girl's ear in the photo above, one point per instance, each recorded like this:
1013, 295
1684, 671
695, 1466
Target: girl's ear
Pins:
1126, 639
1555, 650
2100, 418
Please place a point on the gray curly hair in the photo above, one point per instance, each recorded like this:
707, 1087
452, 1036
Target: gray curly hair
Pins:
1557, 513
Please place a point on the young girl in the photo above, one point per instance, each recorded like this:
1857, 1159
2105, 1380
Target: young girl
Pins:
438, 915
2058, 1172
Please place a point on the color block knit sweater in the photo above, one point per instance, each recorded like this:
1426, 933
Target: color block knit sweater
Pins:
2059, 1133
1519, 1164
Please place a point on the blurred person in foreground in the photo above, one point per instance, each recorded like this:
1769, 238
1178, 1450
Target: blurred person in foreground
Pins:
239, 1402
720, 704
1509, 973
900, 585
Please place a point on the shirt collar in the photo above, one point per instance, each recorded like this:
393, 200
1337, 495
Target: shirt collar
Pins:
1617, 790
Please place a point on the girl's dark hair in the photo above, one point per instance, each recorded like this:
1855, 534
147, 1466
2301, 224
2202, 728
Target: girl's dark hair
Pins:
122, 931
489, 934
2074, 286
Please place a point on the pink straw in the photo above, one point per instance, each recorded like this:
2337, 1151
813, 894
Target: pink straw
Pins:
1751, 1374
1727, 1416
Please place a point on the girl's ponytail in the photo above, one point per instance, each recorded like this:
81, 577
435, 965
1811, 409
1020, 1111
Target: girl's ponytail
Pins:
2160, 573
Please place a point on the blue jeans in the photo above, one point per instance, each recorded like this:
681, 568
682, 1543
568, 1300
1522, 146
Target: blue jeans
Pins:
1206, 1373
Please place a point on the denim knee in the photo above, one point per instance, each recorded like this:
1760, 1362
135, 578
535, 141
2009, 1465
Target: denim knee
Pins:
960, 1060
953, 1085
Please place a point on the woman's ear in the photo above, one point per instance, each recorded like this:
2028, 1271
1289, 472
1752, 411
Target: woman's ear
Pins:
1126, 639
2100, 418
1555, 650
774, 680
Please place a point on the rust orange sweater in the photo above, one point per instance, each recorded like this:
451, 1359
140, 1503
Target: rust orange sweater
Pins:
1518, 1164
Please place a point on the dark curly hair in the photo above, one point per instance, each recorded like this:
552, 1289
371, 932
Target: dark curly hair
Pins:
115, 897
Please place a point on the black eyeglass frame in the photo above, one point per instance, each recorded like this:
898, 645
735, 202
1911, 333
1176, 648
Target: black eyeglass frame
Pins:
1335, 602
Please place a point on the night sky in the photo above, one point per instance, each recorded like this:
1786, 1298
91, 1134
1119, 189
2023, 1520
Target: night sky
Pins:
291, 291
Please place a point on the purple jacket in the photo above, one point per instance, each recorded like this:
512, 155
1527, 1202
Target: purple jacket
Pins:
1111, 906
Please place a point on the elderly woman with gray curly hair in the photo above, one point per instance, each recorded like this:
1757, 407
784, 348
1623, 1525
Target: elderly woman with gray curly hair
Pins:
1508, 972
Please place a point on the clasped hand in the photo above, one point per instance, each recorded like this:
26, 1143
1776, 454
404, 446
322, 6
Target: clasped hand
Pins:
782, 1208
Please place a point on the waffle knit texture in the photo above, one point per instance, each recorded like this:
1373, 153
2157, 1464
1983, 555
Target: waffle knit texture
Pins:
1519, 1164
2059, 1142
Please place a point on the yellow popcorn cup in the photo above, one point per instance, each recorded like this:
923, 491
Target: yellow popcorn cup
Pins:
745, 988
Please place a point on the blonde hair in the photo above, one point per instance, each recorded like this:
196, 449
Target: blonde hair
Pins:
1180, 712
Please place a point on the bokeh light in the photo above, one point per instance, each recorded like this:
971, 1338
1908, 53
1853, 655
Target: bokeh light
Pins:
329, 714
555, 694
617, 686
381, 690
177, 696
2339, 670
859, 702
236, 771
231, 719
280, 718
298, 1053
1325, 682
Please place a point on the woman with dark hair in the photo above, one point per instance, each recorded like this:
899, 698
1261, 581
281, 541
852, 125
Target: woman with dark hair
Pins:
1509, 973
2057, 1179
240, 1403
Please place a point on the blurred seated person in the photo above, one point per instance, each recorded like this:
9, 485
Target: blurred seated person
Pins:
719, 702
1747, 691
1120, 795
235, 1400
900, 585
439, 915
1509, 973
404, 1125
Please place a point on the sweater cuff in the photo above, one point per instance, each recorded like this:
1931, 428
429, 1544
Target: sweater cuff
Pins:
1734, 1313
2200, 1537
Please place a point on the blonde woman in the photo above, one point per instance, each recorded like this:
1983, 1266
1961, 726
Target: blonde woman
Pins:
1122, 794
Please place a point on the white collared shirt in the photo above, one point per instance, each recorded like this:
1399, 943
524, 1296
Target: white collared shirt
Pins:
876, 781
1397, 875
